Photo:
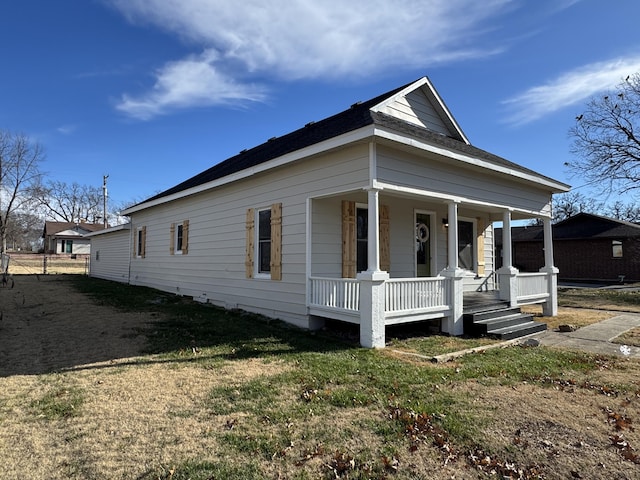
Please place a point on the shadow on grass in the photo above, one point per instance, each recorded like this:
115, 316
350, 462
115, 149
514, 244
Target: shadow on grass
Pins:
186, 330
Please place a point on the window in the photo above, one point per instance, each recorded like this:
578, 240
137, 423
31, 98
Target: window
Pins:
141, 240
616, 246
97, 255
362, 236
465, 245
67, 246
264, 241
179, 238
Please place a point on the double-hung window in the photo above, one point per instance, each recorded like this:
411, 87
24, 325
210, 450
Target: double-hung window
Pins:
179, 238
264, 241
263, 255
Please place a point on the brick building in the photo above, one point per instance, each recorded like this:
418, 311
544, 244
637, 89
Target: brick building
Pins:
586, 247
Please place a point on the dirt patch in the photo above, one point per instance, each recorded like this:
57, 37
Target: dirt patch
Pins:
47, 326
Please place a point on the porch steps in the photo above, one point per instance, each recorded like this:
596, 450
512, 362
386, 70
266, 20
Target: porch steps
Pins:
500, 321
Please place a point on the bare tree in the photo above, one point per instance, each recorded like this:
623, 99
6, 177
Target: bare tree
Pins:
569, 204
20, 160
629, 212
24, 231
607, 139
71, 202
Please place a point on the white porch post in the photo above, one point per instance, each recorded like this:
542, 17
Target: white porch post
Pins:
372, 297
508, 274
550, 307
453, 324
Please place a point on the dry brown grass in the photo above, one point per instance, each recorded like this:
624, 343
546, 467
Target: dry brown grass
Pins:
580, 317
632, 337
146, 417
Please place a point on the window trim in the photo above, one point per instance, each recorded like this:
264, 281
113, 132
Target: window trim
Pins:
174, 235
262, 273
614, 244
140, 242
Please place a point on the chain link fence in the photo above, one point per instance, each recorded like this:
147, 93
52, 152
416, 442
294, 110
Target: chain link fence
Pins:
41, 264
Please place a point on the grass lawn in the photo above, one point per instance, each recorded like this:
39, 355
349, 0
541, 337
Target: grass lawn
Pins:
228, 395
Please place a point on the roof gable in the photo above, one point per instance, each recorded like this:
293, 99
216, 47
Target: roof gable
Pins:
61, 228
420, 104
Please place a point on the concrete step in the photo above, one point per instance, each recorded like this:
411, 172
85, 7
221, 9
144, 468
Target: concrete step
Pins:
517, 331
496, 323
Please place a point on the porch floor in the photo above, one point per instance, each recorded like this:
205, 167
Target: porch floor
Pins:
475, 301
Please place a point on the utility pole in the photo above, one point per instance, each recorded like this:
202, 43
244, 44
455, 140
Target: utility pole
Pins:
104, 200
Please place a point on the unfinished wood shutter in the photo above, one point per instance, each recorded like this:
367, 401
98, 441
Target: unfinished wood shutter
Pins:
185, 237
348, 239
250, 225
385, 243
143, 242
172, 239
480, 246
276, 241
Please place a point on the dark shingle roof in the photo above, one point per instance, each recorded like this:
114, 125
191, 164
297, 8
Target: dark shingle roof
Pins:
358, 116
587, 225
580, 226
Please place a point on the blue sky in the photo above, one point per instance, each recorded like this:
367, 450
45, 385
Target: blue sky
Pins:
152, 92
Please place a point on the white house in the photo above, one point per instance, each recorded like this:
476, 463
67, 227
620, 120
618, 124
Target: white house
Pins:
111, 252
379, 215
68, 237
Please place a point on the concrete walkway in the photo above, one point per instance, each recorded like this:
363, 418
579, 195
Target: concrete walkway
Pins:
596, 338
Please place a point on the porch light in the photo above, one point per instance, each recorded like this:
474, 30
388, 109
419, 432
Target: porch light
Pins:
445, 222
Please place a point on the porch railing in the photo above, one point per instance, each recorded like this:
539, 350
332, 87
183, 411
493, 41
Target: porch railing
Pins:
342, 293
416, 294
532, 287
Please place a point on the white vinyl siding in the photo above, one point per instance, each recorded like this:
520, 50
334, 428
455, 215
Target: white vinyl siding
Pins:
417, 109
451, 178
110, 255
215, 268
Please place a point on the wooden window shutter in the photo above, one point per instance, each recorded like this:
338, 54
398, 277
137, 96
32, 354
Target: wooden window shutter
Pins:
348, 239
185, 237
276, 241
480, 246
385, 241
172, 238
143, 247
248, 263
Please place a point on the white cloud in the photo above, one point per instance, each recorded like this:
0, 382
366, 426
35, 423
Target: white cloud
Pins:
571, 88
66, 129
292, 40
194, 81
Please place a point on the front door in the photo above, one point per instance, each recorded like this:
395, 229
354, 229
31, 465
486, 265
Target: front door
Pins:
423, 244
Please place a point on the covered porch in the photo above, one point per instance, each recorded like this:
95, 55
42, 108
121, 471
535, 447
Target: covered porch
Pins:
378, 297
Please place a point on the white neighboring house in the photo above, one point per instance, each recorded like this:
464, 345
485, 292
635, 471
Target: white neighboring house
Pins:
379, 215
68, 237
110, 253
